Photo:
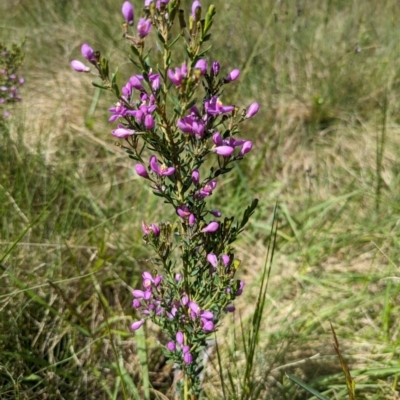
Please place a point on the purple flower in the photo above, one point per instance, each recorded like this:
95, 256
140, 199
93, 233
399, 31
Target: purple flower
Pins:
128, 12
194, 307
207, 314
247, 146
156, 232
233, 75
178, 277
139, 294
211, 227
214, 106
224, 151
240, 290
88, 52
144, 27
252, 110
187, 358
215, 68
136, 325
136, 303
184, 300
171, 346
179, 338
118, 111
212, 259
192, 219
162, 170
136, 83
122, 133
207, 189
201, 65
149, 122
196, 10
79, 66
207, 325
183, 211
216, 213
178, 76
141, 171
225, 259
155, 80
192, 124
195, 177
229, 308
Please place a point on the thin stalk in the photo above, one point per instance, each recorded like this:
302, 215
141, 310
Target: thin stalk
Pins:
380, 146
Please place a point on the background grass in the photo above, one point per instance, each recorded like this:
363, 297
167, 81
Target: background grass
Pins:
326, 149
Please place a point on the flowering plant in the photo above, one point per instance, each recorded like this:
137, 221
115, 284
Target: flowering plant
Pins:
171, 134
10, 60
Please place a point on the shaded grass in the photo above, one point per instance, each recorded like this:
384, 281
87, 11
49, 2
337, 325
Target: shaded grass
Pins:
325, 76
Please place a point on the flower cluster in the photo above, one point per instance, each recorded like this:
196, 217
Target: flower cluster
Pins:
10, 82
171, 119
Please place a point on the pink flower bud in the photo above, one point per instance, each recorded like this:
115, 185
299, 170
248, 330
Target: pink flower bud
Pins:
215, 68
252, 110
139, 294
136, 303
195, 176
216, 213
136, 325
225, 259
144, 27
87, 52
149, 122
207, 325
122, 133
202, 66
224, 151
233, 75
185, 300
192, 220
211, 227
247, 146
156, 231
128, 12
196, 10
194, 307
179, 338
188, 358
141, 171
171, 346
79, 66
178, 277
212, 259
